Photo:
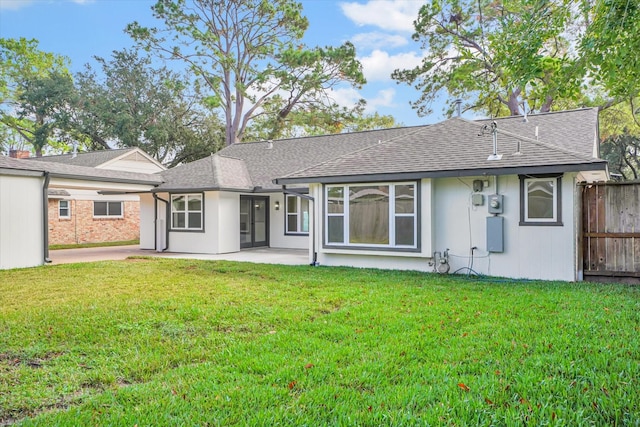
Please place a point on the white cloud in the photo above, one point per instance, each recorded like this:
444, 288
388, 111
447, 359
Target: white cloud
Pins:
390, 15
348, 97
384, 98
345, 97
376, 40
83, 1
14, 4
379, 64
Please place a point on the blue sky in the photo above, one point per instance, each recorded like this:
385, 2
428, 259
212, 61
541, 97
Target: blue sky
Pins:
380, 29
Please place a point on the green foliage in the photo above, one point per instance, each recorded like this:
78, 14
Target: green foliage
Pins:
612, 46
249, 55
37, 85
187, 342
495, 55
21, 59
136, 105
44, 103
620, 139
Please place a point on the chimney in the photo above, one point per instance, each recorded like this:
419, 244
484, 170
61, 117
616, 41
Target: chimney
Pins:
19, 154
458, 104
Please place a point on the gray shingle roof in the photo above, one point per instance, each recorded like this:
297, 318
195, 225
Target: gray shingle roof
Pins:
62, 170
90, 159
215, 172
459, 147
260, 164
574, 130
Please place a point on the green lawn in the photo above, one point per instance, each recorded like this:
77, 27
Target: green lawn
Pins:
94, 245
153, 342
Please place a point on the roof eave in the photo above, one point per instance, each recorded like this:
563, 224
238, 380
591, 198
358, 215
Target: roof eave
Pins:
20, 172
401, 176
201, 189
118, 180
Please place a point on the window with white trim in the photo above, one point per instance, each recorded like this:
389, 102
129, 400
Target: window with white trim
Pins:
297, 215
540, 202
64, 209
107, 209
372, 215
186, 212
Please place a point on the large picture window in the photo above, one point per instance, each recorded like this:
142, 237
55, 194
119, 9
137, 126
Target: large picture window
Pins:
372, 215
186, 212
297, 216
540, 202
107, 209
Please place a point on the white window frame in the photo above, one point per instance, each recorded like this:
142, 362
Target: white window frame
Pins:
299, 214
392, 216
187, 211
524, 215
108, 202
68, 209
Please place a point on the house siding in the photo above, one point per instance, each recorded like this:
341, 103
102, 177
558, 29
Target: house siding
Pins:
21, 222
82, 227
450, 222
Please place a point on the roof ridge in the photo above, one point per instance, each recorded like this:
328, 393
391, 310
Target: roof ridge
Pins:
368, 147
324, 135
83, 153
547, 113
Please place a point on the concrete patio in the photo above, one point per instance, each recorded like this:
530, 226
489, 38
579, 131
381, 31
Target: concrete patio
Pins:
256, 255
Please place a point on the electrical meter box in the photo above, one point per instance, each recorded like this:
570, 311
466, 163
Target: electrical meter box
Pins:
495, 234
477, 199
495, 203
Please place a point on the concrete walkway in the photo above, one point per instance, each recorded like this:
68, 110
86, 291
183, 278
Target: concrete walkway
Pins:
257, 255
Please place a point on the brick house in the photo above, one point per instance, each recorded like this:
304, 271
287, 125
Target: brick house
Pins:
80, 215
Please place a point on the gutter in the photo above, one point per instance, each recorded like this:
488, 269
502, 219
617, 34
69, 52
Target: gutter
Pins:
155, 222
314, 261
45, 217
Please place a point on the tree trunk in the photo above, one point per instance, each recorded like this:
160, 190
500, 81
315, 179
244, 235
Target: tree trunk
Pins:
513, 104
546, 107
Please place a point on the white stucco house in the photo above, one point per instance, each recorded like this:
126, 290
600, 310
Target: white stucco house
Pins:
24, 193
495, 197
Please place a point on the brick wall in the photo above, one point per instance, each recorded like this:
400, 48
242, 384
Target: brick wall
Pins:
82, 227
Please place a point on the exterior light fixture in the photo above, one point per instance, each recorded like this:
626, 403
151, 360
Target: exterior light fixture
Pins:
277, 205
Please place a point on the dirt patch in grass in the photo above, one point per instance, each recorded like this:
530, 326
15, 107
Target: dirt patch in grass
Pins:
16, 359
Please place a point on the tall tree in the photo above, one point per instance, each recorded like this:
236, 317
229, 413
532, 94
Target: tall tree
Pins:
134, 104
35, 84
249, 54
494, 55
21, 59
612, 46
43, 108
620, 139
321, 122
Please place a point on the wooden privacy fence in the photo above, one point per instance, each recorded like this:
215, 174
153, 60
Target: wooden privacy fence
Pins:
611, 229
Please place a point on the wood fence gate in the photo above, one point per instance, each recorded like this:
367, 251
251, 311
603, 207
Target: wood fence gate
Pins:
611, 230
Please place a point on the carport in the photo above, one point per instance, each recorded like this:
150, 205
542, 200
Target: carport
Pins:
23, 202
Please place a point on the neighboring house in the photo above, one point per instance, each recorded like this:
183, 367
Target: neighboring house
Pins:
492, 197
24, 194
80, 215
